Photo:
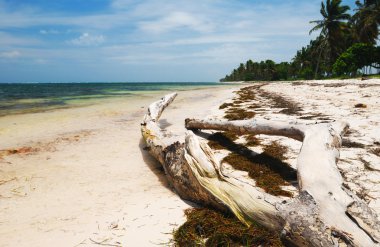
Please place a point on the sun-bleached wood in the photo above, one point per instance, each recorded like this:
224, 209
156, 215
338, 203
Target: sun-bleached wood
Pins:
319, 216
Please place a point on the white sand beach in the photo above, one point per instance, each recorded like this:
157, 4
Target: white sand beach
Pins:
80, 176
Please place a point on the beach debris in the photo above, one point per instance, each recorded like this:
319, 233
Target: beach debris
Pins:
7, 180
238, 114
376, 151
267, 169
369, 166
46, 146
321, 215
360, 105
212, 228
104, 242
22, 150
225, 105
351, 144
113, 225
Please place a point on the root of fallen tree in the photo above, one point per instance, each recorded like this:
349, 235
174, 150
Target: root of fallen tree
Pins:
324, 213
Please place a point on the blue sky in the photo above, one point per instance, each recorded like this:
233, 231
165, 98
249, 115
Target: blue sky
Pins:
147, 40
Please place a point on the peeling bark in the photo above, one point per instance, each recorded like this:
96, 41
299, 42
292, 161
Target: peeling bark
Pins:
323, 214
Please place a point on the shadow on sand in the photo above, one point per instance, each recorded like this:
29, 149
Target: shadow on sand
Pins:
153, 164
158, 170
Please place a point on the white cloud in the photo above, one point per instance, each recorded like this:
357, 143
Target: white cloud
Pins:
161, 33
87, 39
26, 17
176, 20
122, 4
8, 40
235, 38
219, 54
10, 54
50, 31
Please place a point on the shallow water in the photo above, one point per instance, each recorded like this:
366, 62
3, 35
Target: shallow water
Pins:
16, 98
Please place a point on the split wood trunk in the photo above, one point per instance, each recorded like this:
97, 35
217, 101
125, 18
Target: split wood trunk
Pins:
324, 213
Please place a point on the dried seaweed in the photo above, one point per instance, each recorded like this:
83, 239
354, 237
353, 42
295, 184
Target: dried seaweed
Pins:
206, 227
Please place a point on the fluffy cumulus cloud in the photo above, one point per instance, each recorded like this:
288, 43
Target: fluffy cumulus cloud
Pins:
176, 38
87, 39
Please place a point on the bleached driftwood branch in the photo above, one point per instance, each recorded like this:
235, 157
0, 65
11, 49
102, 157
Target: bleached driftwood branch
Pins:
317, 217
317, 173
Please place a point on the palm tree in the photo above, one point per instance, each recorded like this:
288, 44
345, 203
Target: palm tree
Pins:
333, 27
366, 21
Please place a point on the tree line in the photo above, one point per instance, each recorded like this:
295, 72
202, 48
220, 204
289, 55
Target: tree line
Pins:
345, 46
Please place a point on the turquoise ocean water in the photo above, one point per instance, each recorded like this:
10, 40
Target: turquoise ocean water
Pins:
16, 98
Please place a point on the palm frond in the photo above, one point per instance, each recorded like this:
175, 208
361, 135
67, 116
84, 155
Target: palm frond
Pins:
323, 10
316, 28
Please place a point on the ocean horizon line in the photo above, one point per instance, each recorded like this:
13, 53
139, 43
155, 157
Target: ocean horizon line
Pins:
131, 82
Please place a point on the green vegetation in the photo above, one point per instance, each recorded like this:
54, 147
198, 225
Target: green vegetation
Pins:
346, 46
205, 227
356, 57
264, 71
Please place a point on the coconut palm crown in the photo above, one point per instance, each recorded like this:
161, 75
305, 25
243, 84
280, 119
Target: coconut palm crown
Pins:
333, 26
366, 21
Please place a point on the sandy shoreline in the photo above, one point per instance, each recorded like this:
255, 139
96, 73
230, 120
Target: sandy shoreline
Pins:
81, 175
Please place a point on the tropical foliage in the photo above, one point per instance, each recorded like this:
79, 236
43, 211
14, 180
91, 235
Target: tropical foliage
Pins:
359, 56
366, 20
346, 45
262, 71
333, 26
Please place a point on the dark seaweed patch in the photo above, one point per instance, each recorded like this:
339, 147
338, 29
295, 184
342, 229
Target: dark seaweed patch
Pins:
238, 114
267, 168
205, 227
350, 144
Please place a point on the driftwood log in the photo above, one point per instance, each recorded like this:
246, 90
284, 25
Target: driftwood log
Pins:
324, 213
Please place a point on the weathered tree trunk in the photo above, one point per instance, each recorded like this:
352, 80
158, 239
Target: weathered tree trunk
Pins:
323, 214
